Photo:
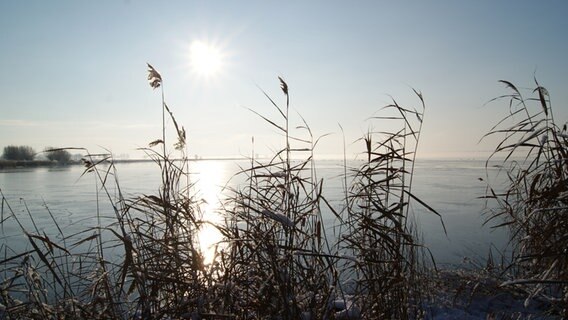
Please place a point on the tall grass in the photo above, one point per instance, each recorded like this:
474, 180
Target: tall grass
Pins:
276, 261
145, 264
71, 279
533, 204
379, 231
163, 255
275, 229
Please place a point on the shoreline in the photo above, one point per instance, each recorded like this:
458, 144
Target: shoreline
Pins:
10, 164
13, 164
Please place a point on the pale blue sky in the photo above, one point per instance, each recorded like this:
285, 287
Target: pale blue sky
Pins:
73, 72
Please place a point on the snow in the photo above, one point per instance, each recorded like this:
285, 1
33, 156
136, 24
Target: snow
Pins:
284, 220
477, 294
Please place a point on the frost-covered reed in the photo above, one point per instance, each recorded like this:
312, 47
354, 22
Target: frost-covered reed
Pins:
533, 204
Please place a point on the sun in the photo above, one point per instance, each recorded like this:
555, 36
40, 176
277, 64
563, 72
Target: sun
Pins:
205, 59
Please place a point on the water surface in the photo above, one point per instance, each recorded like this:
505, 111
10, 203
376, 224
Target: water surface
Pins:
76, 202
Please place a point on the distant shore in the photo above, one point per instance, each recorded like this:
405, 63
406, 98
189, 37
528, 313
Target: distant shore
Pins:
8, 164
4, 164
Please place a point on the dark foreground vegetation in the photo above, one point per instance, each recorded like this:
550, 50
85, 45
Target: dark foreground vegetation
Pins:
533, 204
276, 261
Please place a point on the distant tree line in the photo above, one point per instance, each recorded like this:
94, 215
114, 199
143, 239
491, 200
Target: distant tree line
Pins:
27, 153
18, 153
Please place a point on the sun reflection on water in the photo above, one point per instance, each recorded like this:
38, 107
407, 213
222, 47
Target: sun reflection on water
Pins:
210, 177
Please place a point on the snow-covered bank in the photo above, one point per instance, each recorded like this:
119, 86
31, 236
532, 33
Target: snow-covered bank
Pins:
479, 294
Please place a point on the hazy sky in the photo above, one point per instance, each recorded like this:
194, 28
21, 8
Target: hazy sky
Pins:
74, 72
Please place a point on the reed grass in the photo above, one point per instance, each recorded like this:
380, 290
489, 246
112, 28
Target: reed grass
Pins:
70, 279
276, 260
532, 204
144, 264
379, 232
275, 231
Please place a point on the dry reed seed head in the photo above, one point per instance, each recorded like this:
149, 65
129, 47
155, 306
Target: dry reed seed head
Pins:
542, 93
283, 86
155, 143
154, 78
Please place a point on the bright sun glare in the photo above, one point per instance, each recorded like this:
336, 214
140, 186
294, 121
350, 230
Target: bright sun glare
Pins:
205, 59
210, 178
